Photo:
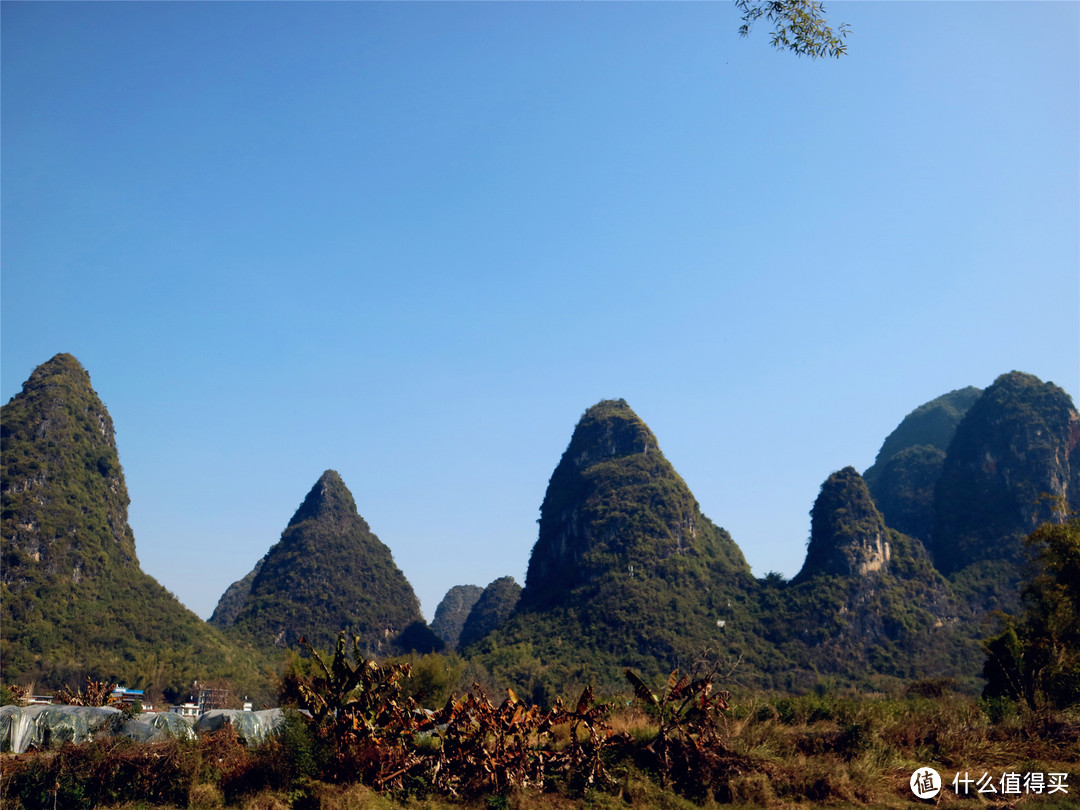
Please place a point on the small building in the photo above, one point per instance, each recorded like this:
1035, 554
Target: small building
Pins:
122, 696
186, 709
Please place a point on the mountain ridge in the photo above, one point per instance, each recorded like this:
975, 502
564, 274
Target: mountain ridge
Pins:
626, 571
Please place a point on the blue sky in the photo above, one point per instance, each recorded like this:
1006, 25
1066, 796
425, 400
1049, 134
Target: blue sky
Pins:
414, 242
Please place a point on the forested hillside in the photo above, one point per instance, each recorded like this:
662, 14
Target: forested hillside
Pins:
74, 601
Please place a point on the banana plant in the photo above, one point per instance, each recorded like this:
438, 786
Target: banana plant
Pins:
98, 693
687, 709
358, 705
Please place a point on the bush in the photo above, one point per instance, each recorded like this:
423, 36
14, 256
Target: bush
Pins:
102, 772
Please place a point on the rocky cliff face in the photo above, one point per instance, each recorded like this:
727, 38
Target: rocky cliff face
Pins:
328, 573
848, 536
909, 464
71, 589
1012, 465
64, 498
453, 611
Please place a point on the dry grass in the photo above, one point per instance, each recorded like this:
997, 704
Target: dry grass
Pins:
781, 752
860, 751
204, 796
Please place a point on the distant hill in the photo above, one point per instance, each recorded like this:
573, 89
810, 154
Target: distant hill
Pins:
328, 573
972, 473
453, 611
909, 464
494, 606
627, 572
73, 599
1012, 465
902, 569
932, 424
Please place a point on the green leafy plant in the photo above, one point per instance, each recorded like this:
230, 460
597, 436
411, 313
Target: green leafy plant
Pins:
799, 26
1036, 658
359, 708
689, 750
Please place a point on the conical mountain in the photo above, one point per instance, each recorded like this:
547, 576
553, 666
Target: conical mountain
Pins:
329, 573
867, 598
615, 501
453, 612
74, 599
909, 464
626, 571
1012, 465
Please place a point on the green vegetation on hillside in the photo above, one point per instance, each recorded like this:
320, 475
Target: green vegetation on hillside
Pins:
1037, 657
492, 608
453, 612
330, 573
867, 602
908, 466
932, 424
232, 601
626, 572
1006, 470
73, 600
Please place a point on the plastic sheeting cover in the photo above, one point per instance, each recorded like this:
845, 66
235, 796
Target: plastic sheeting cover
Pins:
26, 727
23, 727
152, 726
252, 727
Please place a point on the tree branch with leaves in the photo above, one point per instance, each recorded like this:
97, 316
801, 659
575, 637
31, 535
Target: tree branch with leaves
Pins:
799, 26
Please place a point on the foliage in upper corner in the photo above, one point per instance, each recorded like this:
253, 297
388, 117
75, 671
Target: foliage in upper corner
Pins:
1037, 658
799, 26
